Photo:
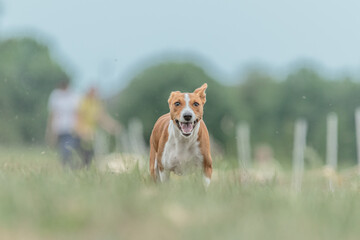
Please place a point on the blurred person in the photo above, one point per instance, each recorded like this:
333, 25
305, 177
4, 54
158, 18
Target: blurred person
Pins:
60, 130
92, 114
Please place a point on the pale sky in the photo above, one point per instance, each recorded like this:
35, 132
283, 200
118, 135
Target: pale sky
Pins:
110, 38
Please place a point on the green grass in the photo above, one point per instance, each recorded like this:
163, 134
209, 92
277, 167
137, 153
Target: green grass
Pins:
40, 200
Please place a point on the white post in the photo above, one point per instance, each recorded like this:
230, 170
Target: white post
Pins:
243, 145
357, 124
136, 138
122, 142
332, 141
299, 154
332, 146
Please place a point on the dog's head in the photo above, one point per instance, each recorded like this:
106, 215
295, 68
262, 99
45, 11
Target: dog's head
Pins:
186, 109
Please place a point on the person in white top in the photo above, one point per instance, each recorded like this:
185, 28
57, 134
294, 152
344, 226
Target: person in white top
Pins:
62, 107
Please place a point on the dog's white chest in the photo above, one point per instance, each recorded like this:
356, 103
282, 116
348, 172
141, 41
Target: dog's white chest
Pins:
181, 155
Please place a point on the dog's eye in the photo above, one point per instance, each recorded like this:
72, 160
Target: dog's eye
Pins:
177, 104
196, 104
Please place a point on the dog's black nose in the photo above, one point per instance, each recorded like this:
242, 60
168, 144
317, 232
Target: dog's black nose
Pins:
187, 117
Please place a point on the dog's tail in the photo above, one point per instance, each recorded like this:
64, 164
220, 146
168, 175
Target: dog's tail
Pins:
152, 163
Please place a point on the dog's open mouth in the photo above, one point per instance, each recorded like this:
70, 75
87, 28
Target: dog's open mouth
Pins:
186, 128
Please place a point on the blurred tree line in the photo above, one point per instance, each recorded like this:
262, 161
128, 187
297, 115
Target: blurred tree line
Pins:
27, 75
269, 105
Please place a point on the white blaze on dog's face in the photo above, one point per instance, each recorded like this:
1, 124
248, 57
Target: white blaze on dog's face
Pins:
186, 109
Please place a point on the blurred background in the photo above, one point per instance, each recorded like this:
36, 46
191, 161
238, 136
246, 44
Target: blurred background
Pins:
267, 63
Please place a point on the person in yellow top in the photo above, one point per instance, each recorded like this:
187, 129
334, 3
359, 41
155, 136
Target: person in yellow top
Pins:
91, 114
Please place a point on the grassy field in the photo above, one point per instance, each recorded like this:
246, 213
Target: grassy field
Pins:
40, 200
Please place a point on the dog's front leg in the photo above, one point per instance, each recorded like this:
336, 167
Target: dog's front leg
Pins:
164, 175
207, 168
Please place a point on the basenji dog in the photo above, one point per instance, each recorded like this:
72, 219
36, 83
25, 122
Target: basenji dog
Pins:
179, 141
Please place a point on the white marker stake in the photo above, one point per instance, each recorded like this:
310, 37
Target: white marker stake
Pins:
332, 140
299, 154
136, 138
357, 124
332, 144
122, 142
243, 145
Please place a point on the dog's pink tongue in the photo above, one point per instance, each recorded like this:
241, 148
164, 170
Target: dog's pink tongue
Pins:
186, 127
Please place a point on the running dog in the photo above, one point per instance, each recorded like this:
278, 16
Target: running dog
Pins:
180, 141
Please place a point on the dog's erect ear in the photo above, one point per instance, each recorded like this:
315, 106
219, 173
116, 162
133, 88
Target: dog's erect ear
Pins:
172, 95
201, 92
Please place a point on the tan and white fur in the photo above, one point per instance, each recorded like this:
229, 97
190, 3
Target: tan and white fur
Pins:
180, 141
